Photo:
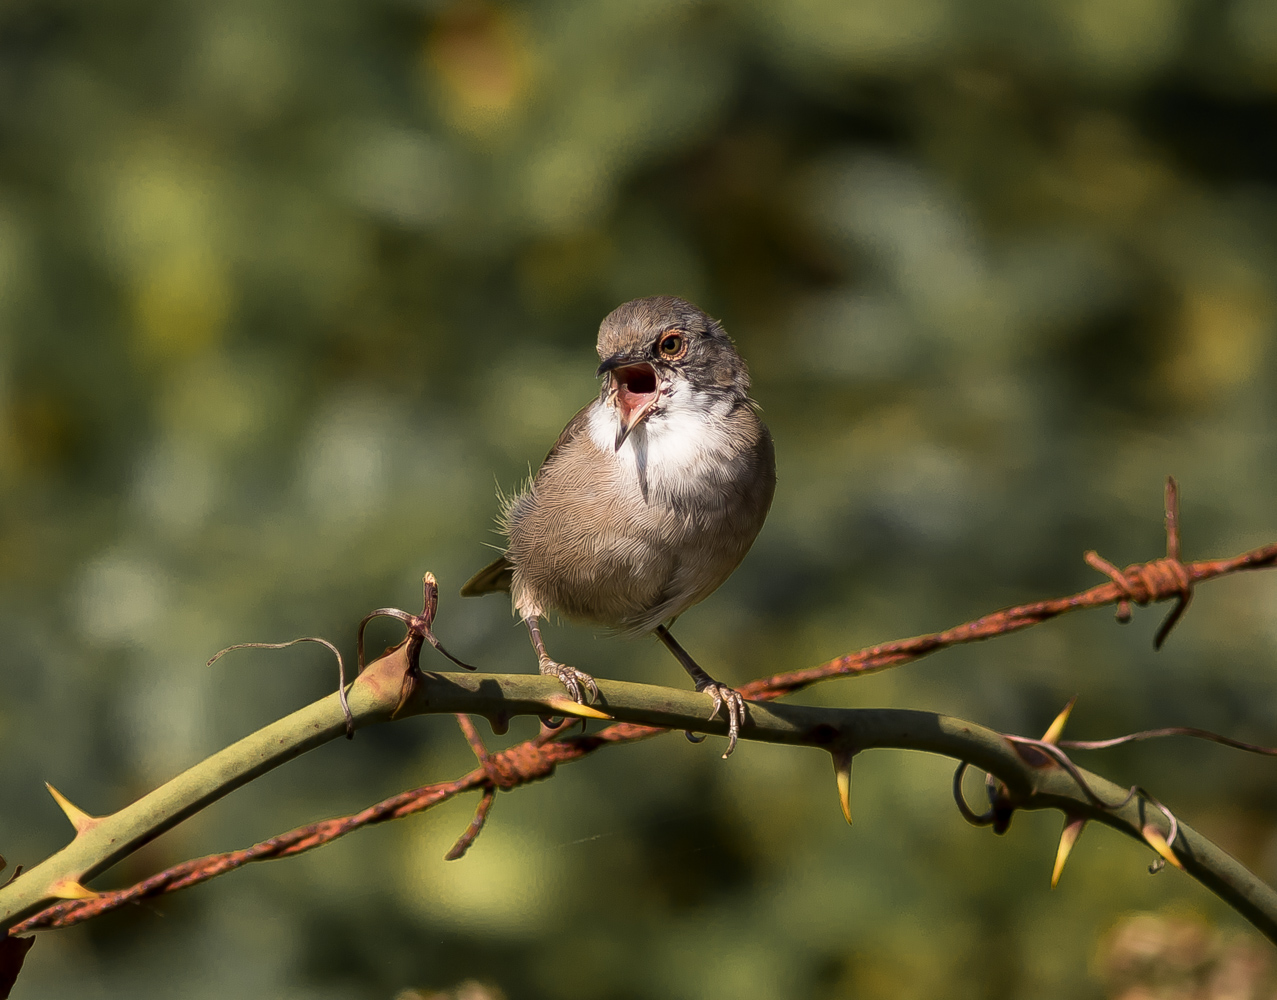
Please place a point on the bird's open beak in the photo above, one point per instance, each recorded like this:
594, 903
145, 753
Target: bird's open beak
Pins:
635, 390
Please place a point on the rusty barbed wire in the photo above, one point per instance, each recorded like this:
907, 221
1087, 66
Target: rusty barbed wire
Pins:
521, 764
533, 760
1143, 583
1160, 577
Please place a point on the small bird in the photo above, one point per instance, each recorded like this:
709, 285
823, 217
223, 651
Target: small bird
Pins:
651, 496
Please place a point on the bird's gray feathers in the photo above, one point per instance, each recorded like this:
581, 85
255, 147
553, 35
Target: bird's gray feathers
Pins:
574, 427
633, 330
495, 577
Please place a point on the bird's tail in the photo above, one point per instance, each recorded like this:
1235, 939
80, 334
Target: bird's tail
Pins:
494, 577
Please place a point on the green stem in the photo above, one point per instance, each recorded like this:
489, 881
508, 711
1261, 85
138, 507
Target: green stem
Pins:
99, 846
376, 694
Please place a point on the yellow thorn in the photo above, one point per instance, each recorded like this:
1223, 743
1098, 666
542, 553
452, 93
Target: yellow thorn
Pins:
566, 706
1056, 729
1156, 841
79, 818
69, 888
842, 773
1073, 826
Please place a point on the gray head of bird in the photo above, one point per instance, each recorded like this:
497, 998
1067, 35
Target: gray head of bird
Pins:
663, 353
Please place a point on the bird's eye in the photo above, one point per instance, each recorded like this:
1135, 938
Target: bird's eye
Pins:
673, 346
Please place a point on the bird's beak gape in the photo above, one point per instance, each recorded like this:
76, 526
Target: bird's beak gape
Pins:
635, 390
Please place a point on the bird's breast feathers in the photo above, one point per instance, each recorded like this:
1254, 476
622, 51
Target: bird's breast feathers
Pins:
632, 536
693, 446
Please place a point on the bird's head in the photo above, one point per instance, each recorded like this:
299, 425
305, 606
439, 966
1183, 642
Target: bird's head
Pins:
661, 348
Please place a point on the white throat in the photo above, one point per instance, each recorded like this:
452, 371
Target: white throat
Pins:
683, 446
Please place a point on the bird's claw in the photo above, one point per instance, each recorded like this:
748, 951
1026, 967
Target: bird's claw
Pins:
572, 679
735, 703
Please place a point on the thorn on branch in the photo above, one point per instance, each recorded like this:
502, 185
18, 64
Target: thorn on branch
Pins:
1044, 753
1159, 580
1162, 845
69, 888
842, 757
566, 706
81, 820
1056, 729
1073, 826
1028, 750
1155, 840
1058, 756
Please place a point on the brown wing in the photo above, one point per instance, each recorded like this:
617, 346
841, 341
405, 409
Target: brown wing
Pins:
576, 425
491, 579
498, 574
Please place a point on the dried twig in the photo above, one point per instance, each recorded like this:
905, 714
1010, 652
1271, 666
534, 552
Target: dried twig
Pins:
341, 668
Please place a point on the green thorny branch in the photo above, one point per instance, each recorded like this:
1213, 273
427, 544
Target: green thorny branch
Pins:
1022, 773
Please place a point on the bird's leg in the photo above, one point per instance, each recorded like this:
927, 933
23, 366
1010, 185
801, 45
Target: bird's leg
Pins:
569, 677
721, 693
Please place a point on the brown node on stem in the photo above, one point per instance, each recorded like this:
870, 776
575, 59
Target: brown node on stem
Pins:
418, 625
418, 633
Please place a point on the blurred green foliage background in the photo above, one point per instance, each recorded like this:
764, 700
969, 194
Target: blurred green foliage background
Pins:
286, 290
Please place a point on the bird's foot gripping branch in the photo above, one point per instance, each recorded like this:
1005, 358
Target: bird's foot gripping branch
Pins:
1022, 773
